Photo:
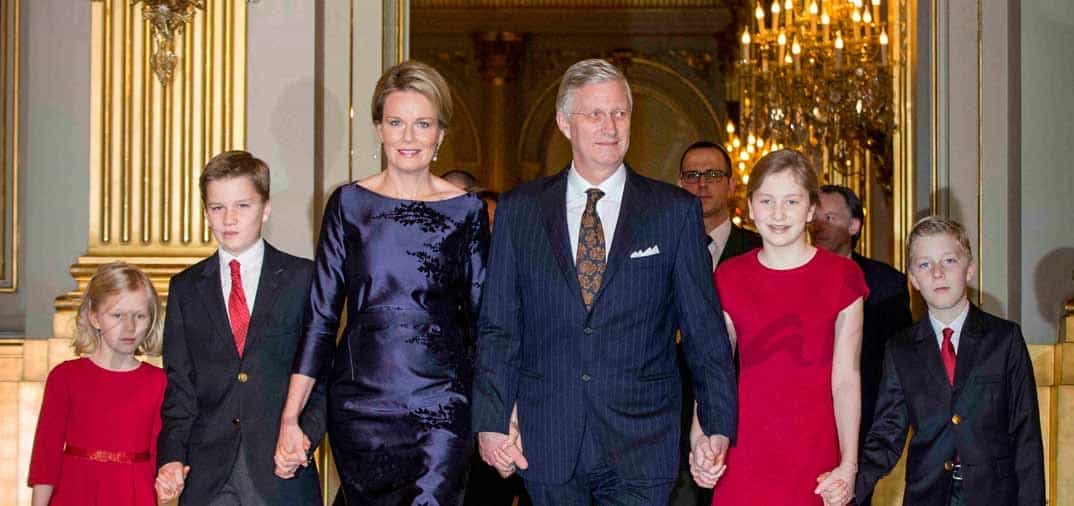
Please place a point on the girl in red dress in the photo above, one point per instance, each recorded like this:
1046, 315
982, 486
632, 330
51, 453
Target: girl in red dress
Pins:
795, 314
97, 432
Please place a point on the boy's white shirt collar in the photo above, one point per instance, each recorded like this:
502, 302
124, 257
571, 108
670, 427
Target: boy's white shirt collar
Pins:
249, 268
955, 325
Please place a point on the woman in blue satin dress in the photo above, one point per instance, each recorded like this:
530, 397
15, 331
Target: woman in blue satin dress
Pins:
406, 250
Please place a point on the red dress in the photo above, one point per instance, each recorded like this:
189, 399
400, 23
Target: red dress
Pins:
90, 409
785, 326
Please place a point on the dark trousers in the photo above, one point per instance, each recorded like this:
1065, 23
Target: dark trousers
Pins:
687, 493
594, 482
487, 488
957, 497
239, 489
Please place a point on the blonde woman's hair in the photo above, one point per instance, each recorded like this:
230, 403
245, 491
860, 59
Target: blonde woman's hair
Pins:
109, 280
414, 76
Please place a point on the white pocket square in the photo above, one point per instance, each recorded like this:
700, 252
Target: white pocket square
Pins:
647, 252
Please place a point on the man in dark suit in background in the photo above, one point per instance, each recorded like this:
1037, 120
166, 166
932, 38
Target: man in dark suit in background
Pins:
589, 276
705, 171
836, 227
230, 334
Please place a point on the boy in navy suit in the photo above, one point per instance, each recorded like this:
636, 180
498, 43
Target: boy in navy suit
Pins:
230, 334
963, 380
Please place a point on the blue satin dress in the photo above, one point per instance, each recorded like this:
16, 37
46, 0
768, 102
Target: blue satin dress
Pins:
400, 376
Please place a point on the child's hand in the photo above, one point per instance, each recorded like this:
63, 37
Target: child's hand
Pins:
292, 449
170, 481
836, 486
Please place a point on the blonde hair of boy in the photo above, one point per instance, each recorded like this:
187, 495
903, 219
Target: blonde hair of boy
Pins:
936, 225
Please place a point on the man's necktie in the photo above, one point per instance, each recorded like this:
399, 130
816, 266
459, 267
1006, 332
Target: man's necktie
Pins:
237, 309
590, 261
947, 353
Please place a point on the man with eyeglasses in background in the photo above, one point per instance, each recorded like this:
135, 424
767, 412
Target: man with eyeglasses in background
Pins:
705, 171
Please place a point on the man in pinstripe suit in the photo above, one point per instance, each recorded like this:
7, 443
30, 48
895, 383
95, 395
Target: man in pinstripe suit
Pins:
590, 273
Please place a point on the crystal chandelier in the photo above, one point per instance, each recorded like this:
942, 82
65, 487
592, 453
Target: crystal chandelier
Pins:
815, 75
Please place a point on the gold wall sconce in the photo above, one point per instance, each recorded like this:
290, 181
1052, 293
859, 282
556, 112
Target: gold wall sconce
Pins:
167, 18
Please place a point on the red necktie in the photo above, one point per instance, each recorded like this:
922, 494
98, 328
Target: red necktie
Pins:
947, 353
236, 308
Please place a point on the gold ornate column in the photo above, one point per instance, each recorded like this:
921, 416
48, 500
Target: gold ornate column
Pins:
499, 55
148, 142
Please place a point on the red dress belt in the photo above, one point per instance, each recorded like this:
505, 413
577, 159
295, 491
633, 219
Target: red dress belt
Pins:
106, 455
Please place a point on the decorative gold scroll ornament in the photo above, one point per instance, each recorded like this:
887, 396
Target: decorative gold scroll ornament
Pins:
167, 17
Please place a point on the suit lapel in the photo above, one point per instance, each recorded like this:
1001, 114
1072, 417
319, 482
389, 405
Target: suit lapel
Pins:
630, 210
734, 244
268, 287
212, 299
553, 203
968, 346
928, 351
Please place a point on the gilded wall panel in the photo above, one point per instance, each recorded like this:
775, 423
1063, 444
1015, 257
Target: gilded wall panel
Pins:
9, 141
149, 141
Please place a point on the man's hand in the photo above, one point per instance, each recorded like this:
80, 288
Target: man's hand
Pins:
171, 478
292, 448
708, 459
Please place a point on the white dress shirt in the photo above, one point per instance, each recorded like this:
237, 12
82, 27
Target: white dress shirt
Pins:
719, 237
249, 268
607, 207
955, 325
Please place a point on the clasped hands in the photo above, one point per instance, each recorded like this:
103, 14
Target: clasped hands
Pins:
708, 458
836, 486
503, 451
292, 449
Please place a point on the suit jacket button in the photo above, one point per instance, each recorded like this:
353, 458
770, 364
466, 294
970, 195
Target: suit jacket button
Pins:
586, 377
956, 419
588, 330
948, 465
243, 377
235, 421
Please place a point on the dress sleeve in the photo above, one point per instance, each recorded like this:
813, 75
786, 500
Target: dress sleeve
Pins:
327, 293
478, 247
51, 429
853, 285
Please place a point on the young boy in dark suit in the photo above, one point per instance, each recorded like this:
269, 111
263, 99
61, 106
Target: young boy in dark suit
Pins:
232, 326
963, 380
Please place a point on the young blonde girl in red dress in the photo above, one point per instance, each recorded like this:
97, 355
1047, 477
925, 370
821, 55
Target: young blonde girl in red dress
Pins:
97, 432
795, 313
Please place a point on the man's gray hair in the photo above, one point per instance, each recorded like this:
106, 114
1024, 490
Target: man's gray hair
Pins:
591, 71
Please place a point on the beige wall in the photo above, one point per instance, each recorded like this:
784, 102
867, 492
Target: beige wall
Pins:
1047, 152
1002, 143
54, 155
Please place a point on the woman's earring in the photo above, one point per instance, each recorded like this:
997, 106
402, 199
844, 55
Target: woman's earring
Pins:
376, 154
98, 331
436, 153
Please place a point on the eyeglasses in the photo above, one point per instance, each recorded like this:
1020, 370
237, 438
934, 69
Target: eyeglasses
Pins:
597, 117
710, 175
